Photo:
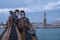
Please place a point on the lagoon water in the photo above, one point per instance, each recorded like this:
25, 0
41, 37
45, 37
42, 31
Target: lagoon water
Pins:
1, 31
45, 33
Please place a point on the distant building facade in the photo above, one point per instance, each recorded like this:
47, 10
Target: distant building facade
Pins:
56, 24
2, 25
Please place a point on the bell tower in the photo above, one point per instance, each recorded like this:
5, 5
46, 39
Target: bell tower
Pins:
44, 20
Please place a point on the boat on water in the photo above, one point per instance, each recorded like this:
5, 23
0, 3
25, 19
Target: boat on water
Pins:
18, 28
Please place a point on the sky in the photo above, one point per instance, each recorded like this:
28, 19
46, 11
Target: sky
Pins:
34, 9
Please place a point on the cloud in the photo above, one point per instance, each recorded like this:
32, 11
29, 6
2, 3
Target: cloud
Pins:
36, 8
8, 9
48, 6
58, 19
51, 6
5, 10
